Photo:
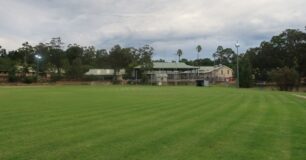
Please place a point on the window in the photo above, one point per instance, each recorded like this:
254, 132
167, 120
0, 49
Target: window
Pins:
221, 72
228, 72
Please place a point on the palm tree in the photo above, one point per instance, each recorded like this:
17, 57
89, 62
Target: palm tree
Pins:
199, 49
179, 53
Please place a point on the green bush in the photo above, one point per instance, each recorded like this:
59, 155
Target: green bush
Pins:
55, 77
285, 78
12, 75
29, 80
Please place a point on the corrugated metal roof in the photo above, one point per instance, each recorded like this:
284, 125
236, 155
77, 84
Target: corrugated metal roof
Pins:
170, 65
103, 72
207, 69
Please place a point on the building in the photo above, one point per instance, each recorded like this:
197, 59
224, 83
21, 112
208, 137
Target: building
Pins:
105, 74
4, 76
19, 73
218, 73
169, 72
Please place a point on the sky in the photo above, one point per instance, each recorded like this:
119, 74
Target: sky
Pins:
166, 25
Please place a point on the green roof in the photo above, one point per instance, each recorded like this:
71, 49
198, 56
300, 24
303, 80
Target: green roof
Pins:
103, 72
170, 65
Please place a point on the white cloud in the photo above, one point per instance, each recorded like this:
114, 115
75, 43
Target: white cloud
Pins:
165, 24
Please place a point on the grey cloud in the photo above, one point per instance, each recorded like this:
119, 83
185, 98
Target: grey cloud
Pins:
165, 24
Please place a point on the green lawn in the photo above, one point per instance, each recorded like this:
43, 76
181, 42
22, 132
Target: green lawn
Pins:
160, 123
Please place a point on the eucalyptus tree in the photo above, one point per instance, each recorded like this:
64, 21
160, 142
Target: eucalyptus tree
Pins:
216, 55
44, 51
2, 52
102, 59
146, 52
73, 52
74, 55
58, 60
286, 49
56, 43
27, 51
119, 58
89, 55
5, 61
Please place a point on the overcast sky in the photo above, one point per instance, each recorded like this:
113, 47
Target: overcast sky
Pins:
167, 25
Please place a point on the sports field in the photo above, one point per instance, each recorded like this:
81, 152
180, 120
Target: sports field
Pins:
160, 123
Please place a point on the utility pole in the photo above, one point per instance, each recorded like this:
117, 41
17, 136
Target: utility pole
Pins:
38, 57
237, 45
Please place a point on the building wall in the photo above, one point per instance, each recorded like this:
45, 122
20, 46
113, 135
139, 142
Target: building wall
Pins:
224, 72
211, 73
3, 76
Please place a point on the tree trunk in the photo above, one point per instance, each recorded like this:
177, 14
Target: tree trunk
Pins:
58, 71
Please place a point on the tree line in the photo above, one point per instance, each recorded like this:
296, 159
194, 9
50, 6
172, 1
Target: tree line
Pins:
272, 61
73, 62
281, 60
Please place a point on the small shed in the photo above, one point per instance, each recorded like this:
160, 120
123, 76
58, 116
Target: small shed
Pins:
202, 83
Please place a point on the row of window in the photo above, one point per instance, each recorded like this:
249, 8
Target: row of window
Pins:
228, 72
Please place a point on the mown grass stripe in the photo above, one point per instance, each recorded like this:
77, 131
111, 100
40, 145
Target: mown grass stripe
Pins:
139, 128
150, 123
153, 131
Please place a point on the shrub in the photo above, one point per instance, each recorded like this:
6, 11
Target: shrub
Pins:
12, 75
29, 80
285, 78
55, 77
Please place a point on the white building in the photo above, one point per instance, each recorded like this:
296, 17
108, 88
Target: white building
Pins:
169, 72
219, 73
105, 74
